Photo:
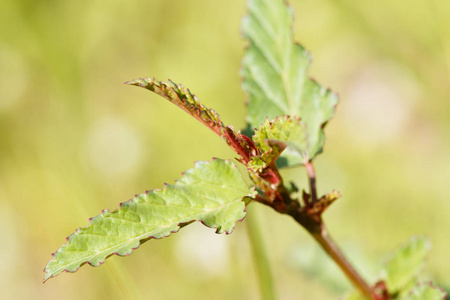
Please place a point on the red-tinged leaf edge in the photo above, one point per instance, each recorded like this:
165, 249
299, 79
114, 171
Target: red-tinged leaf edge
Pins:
430, 284
184, 99
245, 199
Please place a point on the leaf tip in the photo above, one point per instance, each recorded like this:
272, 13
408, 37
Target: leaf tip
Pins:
134, 82
142, 82
46, 277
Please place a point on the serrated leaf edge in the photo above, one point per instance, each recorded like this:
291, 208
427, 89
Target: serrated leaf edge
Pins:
184, 99
309, 57
429, 284
403, 246
147, 236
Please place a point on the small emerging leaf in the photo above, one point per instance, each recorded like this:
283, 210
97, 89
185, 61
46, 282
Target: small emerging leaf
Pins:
324, 202
426, 292
287, 130
211, 192
405, 264
275, 76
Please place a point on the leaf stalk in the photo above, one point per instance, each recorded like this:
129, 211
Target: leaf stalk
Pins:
312, 180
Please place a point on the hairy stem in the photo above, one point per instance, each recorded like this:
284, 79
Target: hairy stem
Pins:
260, 258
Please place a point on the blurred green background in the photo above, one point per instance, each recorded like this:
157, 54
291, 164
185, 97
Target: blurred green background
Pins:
74, 140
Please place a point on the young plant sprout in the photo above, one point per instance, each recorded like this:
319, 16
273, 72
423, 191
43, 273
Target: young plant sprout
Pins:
286, 115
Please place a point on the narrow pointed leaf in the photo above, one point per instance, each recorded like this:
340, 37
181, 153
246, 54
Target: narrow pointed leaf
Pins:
275, 74
324, 202
213, 193
405, 264
184, 99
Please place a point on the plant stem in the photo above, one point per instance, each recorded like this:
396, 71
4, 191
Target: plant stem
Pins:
310, 217
312, 180
260, 258
315, 226
320, 234
335, 253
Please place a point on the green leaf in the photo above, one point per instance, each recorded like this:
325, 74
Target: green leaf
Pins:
405, 264
211, 192
275, 75
184, 99
287, 130
426, 292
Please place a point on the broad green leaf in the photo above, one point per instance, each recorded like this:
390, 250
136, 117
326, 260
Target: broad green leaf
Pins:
184, 99
425, 292
275, 75
213, 193
405, 264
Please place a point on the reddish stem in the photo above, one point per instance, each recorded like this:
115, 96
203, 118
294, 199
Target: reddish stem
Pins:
312, 180
312, 222
335, 253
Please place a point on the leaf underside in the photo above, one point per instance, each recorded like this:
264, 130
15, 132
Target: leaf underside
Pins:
213, 193
275, 76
